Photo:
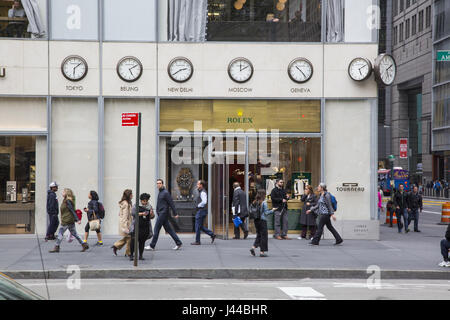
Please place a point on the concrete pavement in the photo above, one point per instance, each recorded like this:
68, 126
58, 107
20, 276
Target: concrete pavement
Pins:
398, 256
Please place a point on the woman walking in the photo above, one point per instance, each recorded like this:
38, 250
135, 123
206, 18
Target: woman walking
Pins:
145, 214
68, 219
93, 213
124, 223
308, 221
262, 236
325, 210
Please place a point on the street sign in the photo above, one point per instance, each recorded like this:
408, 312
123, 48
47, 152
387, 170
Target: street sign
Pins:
443, 56
403, 148
130, 119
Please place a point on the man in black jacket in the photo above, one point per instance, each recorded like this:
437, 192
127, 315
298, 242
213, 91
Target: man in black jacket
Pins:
445, 247
414, 205
240, 209
52, 211
163, 206
401, 206
279, 200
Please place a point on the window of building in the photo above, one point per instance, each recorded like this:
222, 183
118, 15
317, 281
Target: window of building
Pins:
395, 35
441, 106
395, 8
442, 19
230, 20
401, 32
74, 20
442, 69
428, 17
408, 28
23, 19
408, 3
402, 5
414, 25
420, 20
140, 21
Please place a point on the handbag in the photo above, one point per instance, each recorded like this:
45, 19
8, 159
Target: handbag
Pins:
94, 224
253, 211
152, 214
237, 221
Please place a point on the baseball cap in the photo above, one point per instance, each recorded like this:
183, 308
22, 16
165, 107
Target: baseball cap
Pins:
53, 184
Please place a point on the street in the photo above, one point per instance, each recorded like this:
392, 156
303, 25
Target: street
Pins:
179, 289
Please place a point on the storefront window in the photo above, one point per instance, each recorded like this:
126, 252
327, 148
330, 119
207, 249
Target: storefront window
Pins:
135, 21
74, 19
442, 73
345, 19
17, 183
231, 20
23, 19
442, 19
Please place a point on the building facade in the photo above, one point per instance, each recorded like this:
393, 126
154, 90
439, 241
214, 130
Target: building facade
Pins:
183, 65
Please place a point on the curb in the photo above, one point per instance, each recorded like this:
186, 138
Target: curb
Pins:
229, 273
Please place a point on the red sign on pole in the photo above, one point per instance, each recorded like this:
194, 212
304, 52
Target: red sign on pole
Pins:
403, 148
130, 119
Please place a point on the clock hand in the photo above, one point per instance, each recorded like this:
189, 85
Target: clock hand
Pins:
240, 66
133, 67
179, 71
301, 71
390, 66
244, 68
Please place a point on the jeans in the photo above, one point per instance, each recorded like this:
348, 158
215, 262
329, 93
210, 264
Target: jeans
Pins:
53, 225
414, 215
325, 220
400, 213
445, 246
281, 223
72, 230
163, 221
199, 219
262, 235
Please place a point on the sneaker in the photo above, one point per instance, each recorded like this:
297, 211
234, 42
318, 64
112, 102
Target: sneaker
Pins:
407, 230
313, 244
417, 231
99, 244
252, 251
299, 238
177, 247
445, 264
213, 237
193, 244
263, 255
148, 248
338, 242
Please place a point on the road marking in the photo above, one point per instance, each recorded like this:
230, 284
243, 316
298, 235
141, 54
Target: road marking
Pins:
302, 293
437, 213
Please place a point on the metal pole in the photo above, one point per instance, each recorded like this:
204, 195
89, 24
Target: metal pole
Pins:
138, 182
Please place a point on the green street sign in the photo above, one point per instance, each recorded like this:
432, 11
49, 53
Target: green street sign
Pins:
443, 56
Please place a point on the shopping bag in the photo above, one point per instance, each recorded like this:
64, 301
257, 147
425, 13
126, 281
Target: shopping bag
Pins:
237, 221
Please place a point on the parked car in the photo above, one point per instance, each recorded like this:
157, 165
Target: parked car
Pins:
11, 290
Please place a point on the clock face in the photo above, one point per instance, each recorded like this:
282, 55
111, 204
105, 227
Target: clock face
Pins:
240, 70
129, 69
180, 69
300, 70
74, 68
360, 69
385, 69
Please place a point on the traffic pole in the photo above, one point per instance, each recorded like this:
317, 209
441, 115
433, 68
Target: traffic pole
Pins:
138, 182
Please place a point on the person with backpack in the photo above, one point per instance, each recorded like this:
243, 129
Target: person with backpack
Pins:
259, 211
308, 221
325, 208
94, 211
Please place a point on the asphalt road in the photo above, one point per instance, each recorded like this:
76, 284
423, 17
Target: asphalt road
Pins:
179, 289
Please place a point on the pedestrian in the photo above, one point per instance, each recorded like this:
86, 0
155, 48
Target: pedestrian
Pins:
415, 204
145, 214
68, 220
52, 211
445, 248
202, 211
93, 213
262, 235
324, 209
163, 206
240, 209
401, 206
125, 206
380, 202
308, 221
279, 200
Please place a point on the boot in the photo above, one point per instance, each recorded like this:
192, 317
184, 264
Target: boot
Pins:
55, 249
85, 247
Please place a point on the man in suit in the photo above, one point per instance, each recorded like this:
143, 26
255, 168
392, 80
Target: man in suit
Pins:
240, 209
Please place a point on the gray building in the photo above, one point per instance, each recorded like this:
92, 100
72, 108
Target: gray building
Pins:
441, 90
406, 107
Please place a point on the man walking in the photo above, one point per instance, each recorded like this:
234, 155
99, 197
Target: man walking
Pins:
401, 206
445, 247
414, 205
279, 200
202, 211
164, 203
52, 211
240, 209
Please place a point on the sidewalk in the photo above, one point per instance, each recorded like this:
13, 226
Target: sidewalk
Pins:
399, 256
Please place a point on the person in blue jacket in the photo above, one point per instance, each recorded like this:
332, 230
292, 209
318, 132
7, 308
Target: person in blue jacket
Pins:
262, 236
52, 211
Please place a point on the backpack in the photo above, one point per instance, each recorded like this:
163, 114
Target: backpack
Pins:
333, 202
254, 212
101, 210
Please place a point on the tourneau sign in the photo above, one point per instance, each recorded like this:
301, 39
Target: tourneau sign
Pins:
130, 119
443, 56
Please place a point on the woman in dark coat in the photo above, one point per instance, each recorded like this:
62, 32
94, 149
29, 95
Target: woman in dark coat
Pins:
308, 221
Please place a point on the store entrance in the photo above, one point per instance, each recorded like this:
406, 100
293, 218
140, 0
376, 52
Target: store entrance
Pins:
223, 176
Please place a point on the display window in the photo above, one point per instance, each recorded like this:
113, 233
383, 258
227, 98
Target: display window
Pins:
23, 19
